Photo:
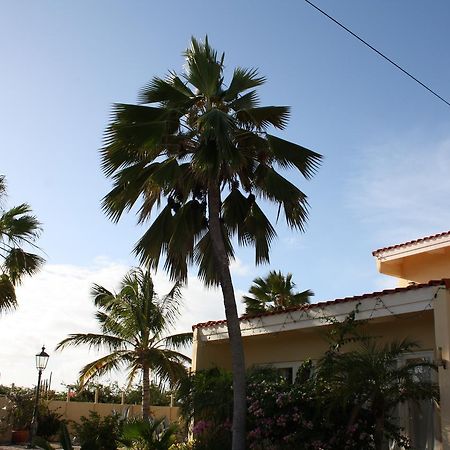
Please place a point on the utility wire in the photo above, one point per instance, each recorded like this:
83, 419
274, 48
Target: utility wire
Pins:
379, 53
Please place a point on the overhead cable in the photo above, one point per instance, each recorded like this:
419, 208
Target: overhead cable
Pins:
379, 53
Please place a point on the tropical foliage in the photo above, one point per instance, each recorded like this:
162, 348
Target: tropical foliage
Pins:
134, 323
274, 292
148, 435
97, 433
198, 150
18, 228
349, 399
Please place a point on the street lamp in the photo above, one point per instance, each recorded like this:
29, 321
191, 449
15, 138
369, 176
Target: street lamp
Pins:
41, 364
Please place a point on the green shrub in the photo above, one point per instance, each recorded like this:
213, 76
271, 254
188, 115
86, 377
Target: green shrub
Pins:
95, 433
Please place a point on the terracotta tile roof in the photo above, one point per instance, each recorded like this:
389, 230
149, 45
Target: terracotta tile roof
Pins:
412, 287
416, 241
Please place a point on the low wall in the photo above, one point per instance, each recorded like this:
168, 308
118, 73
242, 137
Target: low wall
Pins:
74, 410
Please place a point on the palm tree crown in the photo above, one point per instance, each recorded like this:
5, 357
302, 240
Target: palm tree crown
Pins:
202, 133
134, 324
17, 228
274, 292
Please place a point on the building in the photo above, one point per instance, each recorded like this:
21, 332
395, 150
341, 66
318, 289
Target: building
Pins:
418, 308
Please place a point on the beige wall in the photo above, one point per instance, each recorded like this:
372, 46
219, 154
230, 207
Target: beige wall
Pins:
74, 410
300, 345
442, 331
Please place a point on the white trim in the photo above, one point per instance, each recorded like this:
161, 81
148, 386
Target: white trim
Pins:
408, 301
413, 248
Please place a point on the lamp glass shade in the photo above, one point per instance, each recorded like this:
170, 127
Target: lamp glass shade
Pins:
41, 360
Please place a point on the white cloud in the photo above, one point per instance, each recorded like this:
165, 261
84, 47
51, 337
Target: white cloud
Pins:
238, 268
56, 302
403, 188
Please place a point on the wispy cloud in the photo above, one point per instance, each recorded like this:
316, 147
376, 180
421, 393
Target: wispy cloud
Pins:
403, 188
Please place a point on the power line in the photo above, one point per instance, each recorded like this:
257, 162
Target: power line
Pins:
378, 52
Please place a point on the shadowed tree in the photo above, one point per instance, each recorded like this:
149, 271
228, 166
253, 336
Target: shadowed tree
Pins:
370, 381
274, 292
198, 151
17, 228
134, 323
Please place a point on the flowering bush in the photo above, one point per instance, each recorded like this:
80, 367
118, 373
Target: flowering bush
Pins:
289, 416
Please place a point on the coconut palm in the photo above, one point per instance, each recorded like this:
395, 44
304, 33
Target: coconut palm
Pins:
134, 323
199, 152
274, 292
18, 227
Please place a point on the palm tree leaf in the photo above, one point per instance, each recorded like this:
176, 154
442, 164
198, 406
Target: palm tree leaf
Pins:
17, 225
288, 154
246, 101
242, 80
274, 187
204, 257
176, 341
168, 365
203, 69
8, 299
92, 340
169, 91
155, 240
103, 365
264, 116
18, 263
257, 230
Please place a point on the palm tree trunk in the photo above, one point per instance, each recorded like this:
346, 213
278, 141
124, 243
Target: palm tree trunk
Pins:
231, 314
145, 392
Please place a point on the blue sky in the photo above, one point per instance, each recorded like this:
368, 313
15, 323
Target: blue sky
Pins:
386, 141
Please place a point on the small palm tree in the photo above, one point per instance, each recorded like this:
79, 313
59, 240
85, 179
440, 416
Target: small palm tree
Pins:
370, 381
198, 152
274, 292
134, 323
17, 228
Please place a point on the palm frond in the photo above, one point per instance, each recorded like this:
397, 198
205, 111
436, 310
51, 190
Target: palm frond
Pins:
18, 263
273, 186
203, 68
177, 341
242, 80
8, 299
264, 116
169, 91
103, 365
247, 101
288, 154
94, 340
156, 239
17, 225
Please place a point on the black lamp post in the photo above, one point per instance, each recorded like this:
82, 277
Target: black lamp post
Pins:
41, 364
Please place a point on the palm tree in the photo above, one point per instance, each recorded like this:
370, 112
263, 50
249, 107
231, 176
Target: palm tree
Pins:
133, 325
274, 292
199, 152
17, 228
370, 381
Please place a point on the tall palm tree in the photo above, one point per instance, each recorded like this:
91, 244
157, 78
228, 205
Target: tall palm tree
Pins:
198, 150
17, 228
134, 324
274, 292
